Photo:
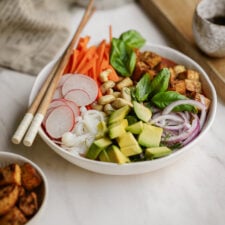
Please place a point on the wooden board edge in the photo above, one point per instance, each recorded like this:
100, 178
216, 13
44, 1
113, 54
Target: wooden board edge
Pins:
182, 44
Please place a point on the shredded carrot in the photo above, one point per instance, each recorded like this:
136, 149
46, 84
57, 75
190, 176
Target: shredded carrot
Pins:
92, 60
110, 33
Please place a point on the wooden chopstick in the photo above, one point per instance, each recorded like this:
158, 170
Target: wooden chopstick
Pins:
44, 97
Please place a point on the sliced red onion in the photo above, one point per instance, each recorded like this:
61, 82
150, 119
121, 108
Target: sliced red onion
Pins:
193, 135
172, 117
195, 103
184, 135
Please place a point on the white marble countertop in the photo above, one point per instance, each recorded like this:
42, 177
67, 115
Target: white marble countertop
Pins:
191, 191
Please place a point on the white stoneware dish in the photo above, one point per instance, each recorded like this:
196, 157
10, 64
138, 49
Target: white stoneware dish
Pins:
7, 158
137, 167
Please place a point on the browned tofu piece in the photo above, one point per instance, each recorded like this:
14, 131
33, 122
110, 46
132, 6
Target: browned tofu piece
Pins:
28, 204
10, 174
30, 177
140, 69
193, 85
165, 63
172, 76
180, 87
193, 75
13, 217
201, 98
8, 197
150, 58
179, 69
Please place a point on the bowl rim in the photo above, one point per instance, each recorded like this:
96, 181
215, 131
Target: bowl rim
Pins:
16, 157
114, 166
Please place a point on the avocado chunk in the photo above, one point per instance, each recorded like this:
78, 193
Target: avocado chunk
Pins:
142, 112
119, 114
103, 156
131, 150
157, 152
97, 146
135, 128
118, 128
126, 139
150, 136
116, 156
128, 144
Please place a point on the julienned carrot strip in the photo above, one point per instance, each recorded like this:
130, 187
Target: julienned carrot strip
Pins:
83, 42
113, 75
88, 66
74, 60
88, 55
100, 52
110, 33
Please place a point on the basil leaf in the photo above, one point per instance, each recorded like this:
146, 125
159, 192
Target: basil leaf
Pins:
142, 88
163, 99
160, 82
122, 57
133, 39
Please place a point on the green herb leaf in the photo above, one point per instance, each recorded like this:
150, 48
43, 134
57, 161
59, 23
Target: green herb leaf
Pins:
122, 57
133, 39
163, 99
160, 82
142, 88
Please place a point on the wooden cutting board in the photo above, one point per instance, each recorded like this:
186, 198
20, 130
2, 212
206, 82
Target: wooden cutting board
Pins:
174, 17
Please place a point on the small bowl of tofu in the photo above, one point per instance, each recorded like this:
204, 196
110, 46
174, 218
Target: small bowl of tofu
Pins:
23, 190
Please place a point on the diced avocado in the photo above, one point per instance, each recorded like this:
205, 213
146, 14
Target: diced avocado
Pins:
102, 130
142, 112
103, 156
131, 150
128, 144
119, 114
97, 146
117, 129
135, 128
150, 136
157, 152
126, 139
116, 155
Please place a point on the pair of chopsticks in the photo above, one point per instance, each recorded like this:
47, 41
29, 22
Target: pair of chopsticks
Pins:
36, 112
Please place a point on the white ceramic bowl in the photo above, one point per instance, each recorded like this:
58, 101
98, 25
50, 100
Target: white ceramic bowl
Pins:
137, 167
7, 158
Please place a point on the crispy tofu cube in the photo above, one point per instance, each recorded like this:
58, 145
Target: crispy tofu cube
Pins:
172, 76
192, 75
8, 197
13, 217
30, 177
180, 87
201, 98
28, 203
179, 69
150, 58
193, 85
10, 174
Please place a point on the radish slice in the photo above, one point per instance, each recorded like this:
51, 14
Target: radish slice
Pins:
63, 79
57, 102
79, 96
83, 82
74, 107
60, 120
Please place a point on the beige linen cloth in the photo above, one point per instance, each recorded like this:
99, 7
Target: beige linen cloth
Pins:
32, 32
